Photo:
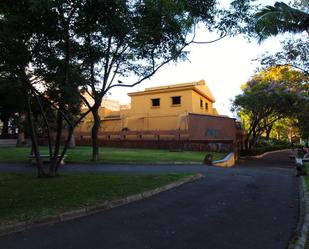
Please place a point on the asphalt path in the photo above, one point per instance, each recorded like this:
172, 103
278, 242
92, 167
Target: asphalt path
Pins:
252, 206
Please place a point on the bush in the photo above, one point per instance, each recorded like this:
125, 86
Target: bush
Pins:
262, 149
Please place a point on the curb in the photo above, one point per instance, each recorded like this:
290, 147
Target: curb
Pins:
143, 163
300, 237
227, 162
74, 214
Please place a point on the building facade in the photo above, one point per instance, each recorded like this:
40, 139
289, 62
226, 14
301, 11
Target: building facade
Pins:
157, 108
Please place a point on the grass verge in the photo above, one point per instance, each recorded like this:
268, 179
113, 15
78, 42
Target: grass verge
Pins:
24, 196
114, 155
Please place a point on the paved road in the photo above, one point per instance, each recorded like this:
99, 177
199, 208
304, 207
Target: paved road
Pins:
251, 206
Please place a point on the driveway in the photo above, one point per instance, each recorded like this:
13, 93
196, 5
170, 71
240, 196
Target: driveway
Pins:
252, 206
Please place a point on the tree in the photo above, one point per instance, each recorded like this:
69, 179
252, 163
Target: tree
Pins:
285, 129
280, 18
138, 40
36, 56
302, 116
294, 53
268, 97
56, 50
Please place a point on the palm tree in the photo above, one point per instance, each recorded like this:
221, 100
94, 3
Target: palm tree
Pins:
280, 18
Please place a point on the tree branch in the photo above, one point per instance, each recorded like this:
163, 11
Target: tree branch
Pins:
208, 42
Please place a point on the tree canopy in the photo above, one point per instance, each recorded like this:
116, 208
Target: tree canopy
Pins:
294, 53
56, 50
269, 96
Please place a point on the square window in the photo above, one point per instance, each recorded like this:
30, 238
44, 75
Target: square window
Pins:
155, 102
176, 100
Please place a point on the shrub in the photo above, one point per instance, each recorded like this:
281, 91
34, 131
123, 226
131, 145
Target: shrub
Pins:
262, 149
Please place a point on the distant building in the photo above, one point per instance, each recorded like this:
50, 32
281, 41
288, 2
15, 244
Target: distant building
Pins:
156, 108
180, 116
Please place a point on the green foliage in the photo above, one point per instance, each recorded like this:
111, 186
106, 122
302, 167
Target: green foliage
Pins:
272, 20
71, 47
269, 96
303, 120
285, 129
294, 53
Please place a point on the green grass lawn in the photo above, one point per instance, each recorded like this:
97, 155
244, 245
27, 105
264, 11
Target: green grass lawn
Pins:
24, 196
113, 155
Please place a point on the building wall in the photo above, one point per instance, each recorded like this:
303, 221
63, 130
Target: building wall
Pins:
196, 105
142, 105
143, 116
207, 127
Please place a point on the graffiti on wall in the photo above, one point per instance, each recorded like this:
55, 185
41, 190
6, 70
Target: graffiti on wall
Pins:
214, 133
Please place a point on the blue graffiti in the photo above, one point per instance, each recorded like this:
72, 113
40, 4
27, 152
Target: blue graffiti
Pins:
212, 133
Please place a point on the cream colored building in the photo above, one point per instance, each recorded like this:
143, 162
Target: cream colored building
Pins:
155, 108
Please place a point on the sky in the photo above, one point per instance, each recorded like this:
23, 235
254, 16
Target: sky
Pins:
225, 65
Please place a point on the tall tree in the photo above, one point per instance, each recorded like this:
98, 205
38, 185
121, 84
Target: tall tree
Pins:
138, 39
38, 53
59, 49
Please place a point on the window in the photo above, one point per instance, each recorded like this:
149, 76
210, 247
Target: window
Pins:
176, 100
206, 106
155, 102
201, 103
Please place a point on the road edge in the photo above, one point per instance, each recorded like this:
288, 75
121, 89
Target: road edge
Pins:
77, 213
300, 237
264, 154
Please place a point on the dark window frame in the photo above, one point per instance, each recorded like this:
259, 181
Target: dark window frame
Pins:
155, 102
176, 100
206, 106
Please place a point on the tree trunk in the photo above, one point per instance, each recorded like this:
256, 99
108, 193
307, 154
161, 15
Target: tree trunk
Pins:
95, 133
268, 133
46, 124
72, 143
35, 146
54, 161
247, 143
278, 134
65, 147
21, 130
20, 139
252, 140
